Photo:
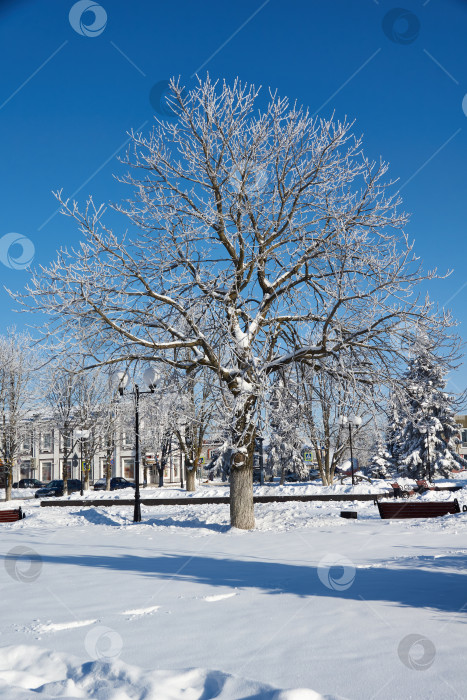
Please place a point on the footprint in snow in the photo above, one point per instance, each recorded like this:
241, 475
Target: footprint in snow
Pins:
141, 611
215, 598
61, 626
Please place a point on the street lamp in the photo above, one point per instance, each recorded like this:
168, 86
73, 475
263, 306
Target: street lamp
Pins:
120, 380
260, 439
428, 451
81, 434
350, 421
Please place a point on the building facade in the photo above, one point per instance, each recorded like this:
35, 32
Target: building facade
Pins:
462, 447
42, 452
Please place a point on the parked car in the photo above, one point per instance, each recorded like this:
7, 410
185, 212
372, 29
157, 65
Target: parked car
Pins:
55, 488
28, 484
116, 482
292, 477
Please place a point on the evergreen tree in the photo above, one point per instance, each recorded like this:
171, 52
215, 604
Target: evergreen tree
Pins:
381, 465
426, 444
284, 451
395, 430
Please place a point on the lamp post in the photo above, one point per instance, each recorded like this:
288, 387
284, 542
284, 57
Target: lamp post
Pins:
354, 421
260, 439
428, 451
120, 379
81, 434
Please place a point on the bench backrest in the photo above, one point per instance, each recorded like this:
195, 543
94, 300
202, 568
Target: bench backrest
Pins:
11, 516
419, 509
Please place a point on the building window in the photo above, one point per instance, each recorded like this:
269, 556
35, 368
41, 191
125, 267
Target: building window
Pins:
128, 468
47, 441
127, 439
67, 443
25, 469
46, 471
464, 437
26, 443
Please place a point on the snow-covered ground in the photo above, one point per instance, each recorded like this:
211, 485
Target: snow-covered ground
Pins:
182, 606
209, 489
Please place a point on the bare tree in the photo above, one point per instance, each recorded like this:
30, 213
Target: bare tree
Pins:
108, 422
158, 422
328, 394
93, 414
196, 409
284, 413
17, 365
61, 394
251, 231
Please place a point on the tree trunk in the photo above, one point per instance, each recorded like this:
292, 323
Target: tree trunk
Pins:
108, 469
65, 476
190, 478
8, 483
282, 474
242, 514
86, 480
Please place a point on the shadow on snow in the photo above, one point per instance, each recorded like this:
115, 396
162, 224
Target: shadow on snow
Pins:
405, 585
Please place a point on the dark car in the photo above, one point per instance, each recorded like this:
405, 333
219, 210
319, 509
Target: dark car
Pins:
116, 482
55, 488
292, 477
28, 484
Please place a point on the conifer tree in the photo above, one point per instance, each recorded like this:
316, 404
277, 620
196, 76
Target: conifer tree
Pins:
381, 465
429, 434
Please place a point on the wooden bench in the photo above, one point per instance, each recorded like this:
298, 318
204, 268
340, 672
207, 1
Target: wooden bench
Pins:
418, 509
11, 516
423, 485
399, 492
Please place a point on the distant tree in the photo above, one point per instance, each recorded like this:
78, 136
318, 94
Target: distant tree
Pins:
327, 393
284, 451
429, 436
195, 409
61, 395
17, 368
381, 464
91, 414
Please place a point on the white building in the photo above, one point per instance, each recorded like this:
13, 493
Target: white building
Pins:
41, 456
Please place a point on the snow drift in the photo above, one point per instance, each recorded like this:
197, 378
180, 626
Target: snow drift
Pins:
30, 672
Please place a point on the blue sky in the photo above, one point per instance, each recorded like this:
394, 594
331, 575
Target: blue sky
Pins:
67, 100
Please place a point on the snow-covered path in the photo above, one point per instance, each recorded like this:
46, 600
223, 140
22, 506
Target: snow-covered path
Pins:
308, 600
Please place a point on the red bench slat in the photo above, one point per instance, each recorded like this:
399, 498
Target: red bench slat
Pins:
428, 509
11, 516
